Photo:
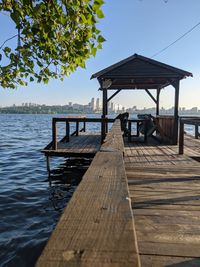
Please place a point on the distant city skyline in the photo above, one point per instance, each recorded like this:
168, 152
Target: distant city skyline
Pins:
144, 27
94, 105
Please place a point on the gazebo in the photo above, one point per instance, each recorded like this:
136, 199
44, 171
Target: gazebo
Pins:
141, 73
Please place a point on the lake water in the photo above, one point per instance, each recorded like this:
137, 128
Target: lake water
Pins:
29, 208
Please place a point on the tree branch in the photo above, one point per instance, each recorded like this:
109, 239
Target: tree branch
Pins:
8, 40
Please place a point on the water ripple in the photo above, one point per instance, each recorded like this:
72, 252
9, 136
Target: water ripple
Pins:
29, 208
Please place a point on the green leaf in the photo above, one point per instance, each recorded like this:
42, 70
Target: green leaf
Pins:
100, 14
94, 51
7, 50
101, 39
15, 17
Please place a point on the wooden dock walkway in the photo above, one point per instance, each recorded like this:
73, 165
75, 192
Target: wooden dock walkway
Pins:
84, 145
164, 191
97, 226
192, 146
137, 205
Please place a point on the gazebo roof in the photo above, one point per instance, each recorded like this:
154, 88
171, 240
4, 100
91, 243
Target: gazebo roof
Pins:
139, 72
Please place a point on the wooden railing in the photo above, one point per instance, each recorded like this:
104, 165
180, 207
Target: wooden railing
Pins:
166, 123
190, 121
97, 226
78, 120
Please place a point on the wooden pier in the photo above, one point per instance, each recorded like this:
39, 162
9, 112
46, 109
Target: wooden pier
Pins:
137, 205
164, 191
78, 143
97, 226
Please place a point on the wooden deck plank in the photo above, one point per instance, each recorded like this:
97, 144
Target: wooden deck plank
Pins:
164, 191
157, 261
85, 143
98, 220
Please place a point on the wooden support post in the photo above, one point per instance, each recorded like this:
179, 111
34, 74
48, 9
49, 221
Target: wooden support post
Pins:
103, 132
67, 131
113, 95
105, 112
84, 126
137, 130
129, 131
158, 102
77, 128
196, 131
152, 97
48, 169
181, 137
54, 135
176, 102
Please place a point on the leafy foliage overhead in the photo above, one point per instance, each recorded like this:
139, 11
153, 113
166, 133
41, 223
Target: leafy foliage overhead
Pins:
53, 38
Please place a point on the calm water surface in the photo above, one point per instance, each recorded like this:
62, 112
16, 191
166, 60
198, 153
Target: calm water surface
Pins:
27, 203
29, 208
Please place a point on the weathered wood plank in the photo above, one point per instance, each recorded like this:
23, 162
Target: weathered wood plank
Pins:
114, 140
169, 249
97, 225
161, 261
84, 144
164, 190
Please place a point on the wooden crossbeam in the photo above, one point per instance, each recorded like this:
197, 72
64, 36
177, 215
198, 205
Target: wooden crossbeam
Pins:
152, 97
113, 95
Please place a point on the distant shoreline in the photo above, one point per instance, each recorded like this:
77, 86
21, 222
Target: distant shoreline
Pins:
90, 109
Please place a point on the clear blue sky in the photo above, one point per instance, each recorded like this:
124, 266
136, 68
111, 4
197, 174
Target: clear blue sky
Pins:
129, 26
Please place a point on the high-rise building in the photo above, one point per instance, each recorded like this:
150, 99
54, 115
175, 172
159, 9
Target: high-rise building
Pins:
93, 104
112, 107
97, 104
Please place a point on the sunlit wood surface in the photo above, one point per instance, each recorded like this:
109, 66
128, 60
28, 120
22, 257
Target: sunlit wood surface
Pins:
165, 195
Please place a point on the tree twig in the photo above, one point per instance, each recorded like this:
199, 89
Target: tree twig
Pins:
8, 40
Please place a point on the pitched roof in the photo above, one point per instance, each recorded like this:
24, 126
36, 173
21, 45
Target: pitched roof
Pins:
141, 71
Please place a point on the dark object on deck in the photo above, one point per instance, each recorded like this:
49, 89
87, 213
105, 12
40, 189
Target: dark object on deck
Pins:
150, 126
124, 120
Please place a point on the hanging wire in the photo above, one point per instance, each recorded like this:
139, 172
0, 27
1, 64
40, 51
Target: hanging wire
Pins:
182, 36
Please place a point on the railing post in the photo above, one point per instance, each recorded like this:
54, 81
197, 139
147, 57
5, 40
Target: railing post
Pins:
77, 128
103, 130
54, 134
181, 137
129, 131
196, 131
67, 131
137, 130
84, 126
